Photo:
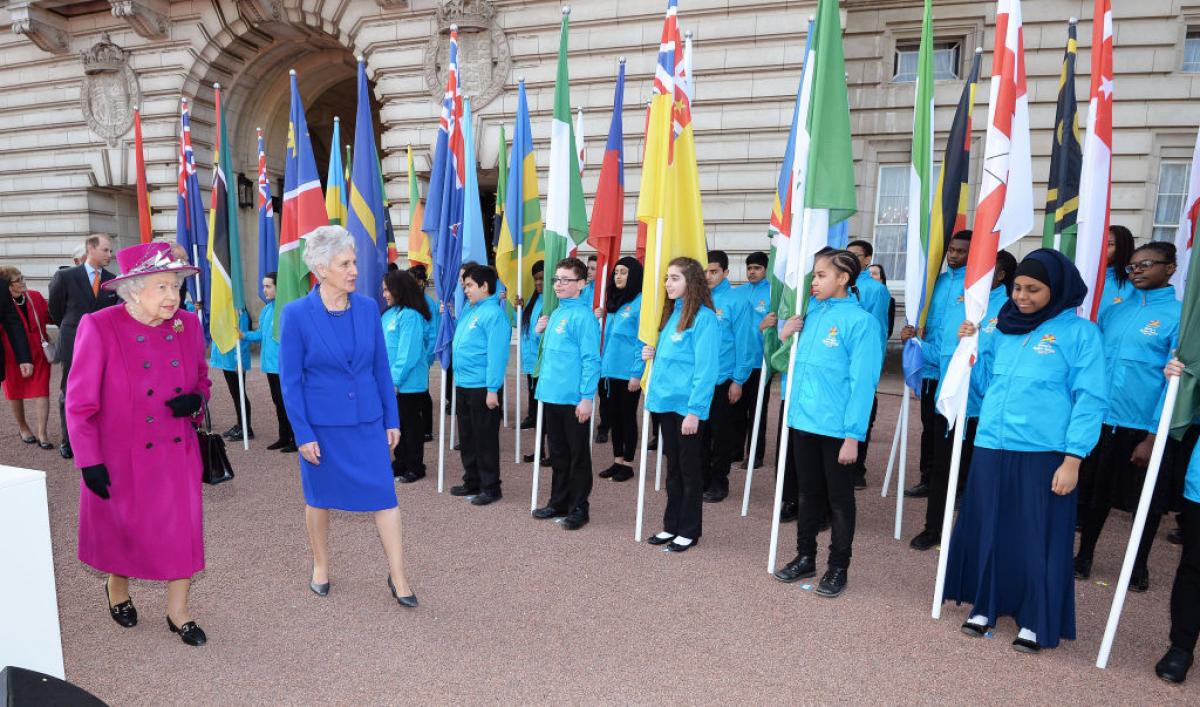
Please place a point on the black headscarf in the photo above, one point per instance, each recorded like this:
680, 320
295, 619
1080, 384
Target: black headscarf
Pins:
1067, 291
633, 285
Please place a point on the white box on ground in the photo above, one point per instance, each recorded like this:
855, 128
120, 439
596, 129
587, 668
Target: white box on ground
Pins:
29, 631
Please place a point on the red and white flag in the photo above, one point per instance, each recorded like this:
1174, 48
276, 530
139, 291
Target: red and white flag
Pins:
1095, 181
1187, 226
1005, 211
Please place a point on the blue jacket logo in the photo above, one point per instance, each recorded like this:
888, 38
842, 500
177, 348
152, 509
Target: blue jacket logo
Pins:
474, 323
831, 339
720, 314
677, 336
1046, 345
991, 325
627, 312
561, 327
1151, 328
761, 306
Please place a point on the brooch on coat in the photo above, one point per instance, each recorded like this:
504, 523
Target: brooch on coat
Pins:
177, 326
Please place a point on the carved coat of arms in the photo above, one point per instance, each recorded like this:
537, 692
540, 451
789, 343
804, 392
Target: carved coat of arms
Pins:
483, 54
110, 91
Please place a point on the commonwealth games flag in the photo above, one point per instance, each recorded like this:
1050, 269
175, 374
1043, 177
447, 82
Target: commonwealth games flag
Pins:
418, 242
224, 256
1066, 160
522, 226
335, 183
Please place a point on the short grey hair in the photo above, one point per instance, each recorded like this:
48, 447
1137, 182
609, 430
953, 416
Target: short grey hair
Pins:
322, 244
128, 289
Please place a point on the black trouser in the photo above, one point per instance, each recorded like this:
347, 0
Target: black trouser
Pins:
427, 412
531, 389
1185, 594
479, 432
745, 415
939, 474
620, 409
1111, 480
790, 493
929, 414
285, 426
603, 424
231, 381
570, 457
824, 486
409, 455
718, 439
62, 402
685, 476
860, 466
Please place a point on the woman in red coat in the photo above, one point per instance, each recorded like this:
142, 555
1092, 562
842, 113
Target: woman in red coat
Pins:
31, 308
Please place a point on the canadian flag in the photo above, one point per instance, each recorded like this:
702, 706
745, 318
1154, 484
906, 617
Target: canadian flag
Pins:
1005, 211
1095, 181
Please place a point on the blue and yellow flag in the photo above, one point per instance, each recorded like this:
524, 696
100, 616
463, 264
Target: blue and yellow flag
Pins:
365, 220
522, 226
335, 184
227, 299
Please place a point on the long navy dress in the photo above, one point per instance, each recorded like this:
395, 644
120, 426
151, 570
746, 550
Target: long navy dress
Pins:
338, 391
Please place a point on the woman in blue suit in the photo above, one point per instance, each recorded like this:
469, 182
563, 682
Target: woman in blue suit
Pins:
340, 398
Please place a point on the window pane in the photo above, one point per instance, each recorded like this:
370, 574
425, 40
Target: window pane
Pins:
1168, 209
1191, 53
891, 218
1163, 233
1173, 177
1173, 180
945, 62
906, 65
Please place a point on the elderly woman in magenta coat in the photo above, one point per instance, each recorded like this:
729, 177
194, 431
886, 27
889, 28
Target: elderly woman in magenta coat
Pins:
341, 401
134, 398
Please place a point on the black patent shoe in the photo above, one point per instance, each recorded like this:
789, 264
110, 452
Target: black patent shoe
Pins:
463, 491
237, 435
485, 498
660, 540
803, 567
189, 633
408, 602
574, 520
833, 583
1174, 665
1024, 645
548, 512
675, 546
1083, 567
124, 613
277, 444
975, 630
288, 449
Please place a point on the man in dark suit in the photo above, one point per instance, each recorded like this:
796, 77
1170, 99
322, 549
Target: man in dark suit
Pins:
75, 292
15, 331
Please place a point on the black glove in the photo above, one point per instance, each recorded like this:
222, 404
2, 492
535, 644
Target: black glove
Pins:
185, 405
95, 477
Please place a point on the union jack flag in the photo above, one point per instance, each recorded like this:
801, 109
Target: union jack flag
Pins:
191, 224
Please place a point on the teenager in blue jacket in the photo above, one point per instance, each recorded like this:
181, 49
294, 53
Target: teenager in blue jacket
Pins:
1140, 335
269, 360
838, 361
570, 373
757, 293
873, 296
621, 365
405, 323
1118, 286
681, 390
947, 294
939, 474
481, 348
1044, 400
735, 358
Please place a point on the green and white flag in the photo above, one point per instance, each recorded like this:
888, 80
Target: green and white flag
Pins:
920, 177
566, 215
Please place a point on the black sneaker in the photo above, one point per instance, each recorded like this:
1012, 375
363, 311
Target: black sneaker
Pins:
925, 540
463, 491
623, 473
606, 474
574, 520
833, 583
803, 567
921, 490
1174, 665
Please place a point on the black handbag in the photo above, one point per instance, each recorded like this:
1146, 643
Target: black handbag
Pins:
214, 459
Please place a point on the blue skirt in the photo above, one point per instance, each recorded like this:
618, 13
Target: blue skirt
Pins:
355, 473
1011, 551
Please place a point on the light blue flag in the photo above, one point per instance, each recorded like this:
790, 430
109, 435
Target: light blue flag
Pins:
474, 242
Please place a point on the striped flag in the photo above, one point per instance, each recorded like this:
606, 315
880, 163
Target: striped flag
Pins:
580, 140
670, 191
365, 220
1005, 212
1095, 187
335, 183
145, 231
444, 203
418, 242
1066, 160
521, 227
268, 242
191, 224
303, 207
566, 215
224, 254
920, 249
608, 209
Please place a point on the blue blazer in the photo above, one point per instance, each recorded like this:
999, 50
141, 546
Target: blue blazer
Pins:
320, 388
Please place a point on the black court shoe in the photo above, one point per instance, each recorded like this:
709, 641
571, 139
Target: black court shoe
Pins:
677, 547
408, 602
656, 540
189, 633
124, 613
975, 630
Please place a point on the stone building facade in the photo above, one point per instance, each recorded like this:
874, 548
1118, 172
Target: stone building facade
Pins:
72, 72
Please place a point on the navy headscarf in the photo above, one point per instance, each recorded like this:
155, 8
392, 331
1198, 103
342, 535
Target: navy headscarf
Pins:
633, 285
1067, 291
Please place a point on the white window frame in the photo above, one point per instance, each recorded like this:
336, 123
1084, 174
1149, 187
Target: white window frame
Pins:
893, 261
1169, 227
913, 48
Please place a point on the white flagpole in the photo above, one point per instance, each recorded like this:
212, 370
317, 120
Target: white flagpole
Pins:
960, 422
1139, 522
758, 411
441, 403
781, 464
199, 285
641, 495
900, 425
903, 463
520, 314
242, 392
537, 459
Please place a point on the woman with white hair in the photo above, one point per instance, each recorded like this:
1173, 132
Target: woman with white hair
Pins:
134, 397
338, 392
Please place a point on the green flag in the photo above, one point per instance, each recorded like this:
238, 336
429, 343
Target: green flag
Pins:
1187, 405
1066, 162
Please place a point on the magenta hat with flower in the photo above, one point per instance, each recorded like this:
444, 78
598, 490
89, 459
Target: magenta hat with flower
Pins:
147, 259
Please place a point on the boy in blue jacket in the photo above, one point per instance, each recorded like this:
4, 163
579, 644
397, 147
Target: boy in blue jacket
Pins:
570, 372
481, 348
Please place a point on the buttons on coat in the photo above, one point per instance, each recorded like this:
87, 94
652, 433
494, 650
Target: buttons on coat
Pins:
350, 395
149, 419
145, 364
178, 440
175, 362
140, 338
170, 337
149, 445
150, 392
